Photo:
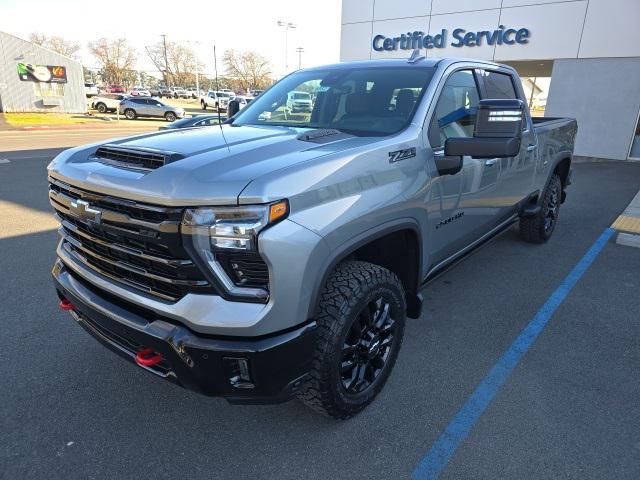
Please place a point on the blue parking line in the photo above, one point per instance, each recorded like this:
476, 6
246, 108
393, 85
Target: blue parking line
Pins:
458, 429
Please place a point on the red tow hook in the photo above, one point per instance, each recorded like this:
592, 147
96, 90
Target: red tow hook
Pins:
148, 357
66, 305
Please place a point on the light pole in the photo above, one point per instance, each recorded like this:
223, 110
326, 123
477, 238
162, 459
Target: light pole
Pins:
299, 50
166, 61
287, 26
195, 54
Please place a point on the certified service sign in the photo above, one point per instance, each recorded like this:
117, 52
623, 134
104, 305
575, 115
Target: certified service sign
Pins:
42, 73
460, 38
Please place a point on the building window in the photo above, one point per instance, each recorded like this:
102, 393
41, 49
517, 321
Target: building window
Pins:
46, 90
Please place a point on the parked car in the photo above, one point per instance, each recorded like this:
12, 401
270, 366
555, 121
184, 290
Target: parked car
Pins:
298, 102
257, 93
91, 90
243, 101
195, 121
166, 92
115, 89
180, 92
107, 102
214, 99
287, 263
154, 91
140, 91
133, 108
194, 92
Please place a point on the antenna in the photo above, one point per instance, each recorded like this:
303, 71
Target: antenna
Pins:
215, 66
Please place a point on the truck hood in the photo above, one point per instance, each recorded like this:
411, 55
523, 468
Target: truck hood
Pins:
217, 164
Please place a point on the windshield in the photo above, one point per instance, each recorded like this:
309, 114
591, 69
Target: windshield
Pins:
367, 101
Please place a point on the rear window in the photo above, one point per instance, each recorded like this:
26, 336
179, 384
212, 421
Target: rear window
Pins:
499, 85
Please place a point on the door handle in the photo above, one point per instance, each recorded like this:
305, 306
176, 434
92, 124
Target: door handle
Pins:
531, 148
491, 162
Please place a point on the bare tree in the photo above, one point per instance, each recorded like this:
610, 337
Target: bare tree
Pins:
117, 59
180, 62
247, 70
56, 44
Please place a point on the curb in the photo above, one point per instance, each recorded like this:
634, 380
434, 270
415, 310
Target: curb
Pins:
628, 224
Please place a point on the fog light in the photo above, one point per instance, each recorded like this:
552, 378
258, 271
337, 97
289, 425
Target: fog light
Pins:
238, 372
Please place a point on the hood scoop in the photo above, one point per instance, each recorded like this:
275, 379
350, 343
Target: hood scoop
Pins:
144, 159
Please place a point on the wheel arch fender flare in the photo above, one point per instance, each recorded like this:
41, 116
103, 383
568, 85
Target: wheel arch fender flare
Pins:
558, 158
344, 250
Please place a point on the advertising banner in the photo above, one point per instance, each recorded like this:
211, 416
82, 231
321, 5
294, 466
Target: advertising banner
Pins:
42, 73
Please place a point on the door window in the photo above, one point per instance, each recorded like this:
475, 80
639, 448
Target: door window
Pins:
456, 110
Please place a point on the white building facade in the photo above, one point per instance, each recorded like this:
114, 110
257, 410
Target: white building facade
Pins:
589, 48
34, 79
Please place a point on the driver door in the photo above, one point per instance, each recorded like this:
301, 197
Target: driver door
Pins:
460, 207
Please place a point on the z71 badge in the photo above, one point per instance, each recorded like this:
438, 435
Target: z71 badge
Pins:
402, 154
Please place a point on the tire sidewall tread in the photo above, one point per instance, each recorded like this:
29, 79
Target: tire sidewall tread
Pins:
351, 286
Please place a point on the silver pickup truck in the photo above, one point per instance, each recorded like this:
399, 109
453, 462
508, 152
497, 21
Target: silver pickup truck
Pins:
279, 254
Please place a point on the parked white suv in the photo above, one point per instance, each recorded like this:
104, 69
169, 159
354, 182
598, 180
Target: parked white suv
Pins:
213, 99
107, 102
180, 92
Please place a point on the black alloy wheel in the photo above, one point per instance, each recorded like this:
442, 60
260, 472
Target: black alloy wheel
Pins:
551, 207
367, 347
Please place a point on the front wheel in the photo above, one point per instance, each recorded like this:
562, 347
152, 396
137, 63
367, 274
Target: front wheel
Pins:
203, 105
540, 227
130, 114
360, 327
170, 117
102, 108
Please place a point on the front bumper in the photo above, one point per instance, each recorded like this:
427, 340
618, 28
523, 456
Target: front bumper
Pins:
278, 363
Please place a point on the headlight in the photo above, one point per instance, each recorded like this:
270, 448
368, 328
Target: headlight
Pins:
224, 240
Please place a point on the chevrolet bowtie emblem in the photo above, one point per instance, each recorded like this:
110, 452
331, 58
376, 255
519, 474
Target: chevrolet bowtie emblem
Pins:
83, 210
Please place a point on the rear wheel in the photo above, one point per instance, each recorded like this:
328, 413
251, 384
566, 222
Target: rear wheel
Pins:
130, 114
170, 117
360, 327
540, 227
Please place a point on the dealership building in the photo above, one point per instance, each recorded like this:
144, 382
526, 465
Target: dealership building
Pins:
34, 79
586, 53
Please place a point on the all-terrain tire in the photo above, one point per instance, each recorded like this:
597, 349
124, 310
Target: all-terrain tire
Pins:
540, 227
345, 305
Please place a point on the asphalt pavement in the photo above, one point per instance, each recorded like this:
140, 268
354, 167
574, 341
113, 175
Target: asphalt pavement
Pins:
71, 409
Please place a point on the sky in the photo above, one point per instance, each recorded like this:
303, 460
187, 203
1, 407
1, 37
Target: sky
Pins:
242, 25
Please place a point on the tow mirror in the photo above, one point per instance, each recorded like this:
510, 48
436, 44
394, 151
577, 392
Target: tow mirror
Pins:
233, 107
497, 133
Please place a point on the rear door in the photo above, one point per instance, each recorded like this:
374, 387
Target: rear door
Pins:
141, 107
462, 204
516, 173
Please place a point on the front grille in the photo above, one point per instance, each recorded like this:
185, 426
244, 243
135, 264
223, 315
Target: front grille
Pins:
134, 158
133, 244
